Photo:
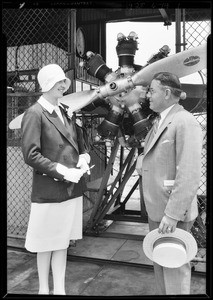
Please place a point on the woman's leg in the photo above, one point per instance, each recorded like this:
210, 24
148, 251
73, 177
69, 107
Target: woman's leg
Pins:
58, 263
43, 265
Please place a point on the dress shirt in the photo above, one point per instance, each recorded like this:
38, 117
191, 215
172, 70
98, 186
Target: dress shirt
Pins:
163, 114
50, 108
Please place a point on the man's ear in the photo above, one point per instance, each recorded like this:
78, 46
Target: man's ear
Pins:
168, 93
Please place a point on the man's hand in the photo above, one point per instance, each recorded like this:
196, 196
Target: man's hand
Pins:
167, 225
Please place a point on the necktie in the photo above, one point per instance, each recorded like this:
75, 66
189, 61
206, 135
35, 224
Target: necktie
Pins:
58, 111
65, 121
156, 123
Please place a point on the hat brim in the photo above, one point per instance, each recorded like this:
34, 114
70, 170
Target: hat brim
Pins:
54, 81
183, 235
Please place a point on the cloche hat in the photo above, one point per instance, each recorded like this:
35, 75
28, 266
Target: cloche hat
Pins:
49, 75
171, 250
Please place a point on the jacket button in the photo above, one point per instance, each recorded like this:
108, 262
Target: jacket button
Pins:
61, 146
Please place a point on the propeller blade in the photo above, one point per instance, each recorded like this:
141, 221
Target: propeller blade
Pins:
78, 100
16, 123
181, 64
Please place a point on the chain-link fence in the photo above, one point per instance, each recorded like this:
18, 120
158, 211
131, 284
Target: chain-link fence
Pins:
195, 33
36, 37
32, 41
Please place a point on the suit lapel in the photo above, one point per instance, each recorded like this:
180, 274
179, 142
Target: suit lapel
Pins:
55, 120
151, 141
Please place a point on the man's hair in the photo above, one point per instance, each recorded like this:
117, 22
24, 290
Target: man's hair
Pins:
169, 80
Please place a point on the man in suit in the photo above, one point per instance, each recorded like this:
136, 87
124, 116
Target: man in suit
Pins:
170, 166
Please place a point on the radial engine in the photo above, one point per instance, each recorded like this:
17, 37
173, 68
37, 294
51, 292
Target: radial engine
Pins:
128, 112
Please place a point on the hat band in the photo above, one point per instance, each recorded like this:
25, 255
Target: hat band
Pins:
168, 239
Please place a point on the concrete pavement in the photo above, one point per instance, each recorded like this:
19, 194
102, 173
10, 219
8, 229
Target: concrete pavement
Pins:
97, 266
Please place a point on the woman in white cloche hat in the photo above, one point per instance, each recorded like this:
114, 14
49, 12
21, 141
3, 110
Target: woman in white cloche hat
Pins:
51, 146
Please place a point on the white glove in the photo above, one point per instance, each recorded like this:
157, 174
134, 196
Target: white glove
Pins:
83, 164
73, 174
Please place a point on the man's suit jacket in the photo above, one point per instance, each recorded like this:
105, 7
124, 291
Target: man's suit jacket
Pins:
171, 167
46, 142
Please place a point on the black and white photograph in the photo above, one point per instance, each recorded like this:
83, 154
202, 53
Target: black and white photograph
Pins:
106, 110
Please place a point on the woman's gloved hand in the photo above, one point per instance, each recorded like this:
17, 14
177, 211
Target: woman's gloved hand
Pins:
73, 174
83, 165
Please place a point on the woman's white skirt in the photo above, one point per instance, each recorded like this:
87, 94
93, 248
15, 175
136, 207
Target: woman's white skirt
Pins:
52, 225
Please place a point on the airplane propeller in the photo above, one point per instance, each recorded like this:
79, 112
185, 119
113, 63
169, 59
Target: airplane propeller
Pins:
181, 64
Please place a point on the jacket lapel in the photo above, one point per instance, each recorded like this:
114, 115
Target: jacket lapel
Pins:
166, 122
55, 120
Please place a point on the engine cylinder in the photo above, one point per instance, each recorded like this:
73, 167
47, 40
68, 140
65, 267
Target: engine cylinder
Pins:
110, 126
